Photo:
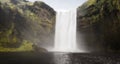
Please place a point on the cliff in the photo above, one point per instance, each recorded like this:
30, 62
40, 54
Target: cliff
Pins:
102, 19
24, 24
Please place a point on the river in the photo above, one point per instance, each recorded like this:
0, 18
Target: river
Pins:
58, 58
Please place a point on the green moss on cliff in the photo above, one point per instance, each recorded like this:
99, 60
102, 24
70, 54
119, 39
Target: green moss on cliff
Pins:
25, 46
103, 16
22, 22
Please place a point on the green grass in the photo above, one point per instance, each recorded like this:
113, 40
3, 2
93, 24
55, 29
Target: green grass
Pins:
26, 46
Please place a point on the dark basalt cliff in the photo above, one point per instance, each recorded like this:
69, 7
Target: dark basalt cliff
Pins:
101, 18
24, 24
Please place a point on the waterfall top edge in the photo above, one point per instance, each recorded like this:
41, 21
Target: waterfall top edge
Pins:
66, 10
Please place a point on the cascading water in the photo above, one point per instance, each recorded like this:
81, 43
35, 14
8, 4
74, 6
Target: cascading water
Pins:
65, 32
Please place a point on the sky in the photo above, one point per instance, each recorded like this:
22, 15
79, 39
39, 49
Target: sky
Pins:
62, 4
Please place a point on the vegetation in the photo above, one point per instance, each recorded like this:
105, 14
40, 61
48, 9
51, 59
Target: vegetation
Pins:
25, 46
23, 24
103, 17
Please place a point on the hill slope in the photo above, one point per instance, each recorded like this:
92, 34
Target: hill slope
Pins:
23, 24
101, 17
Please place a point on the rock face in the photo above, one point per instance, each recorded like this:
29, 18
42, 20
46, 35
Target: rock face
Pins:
101, 18
25, 21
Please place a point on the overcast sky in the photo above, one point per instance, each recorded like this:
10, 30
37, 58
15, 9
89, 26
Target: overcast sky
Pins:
63, 4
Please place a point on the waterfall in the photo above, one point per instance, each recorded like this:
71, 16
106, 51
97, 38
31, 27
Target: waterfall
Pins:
65, 31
